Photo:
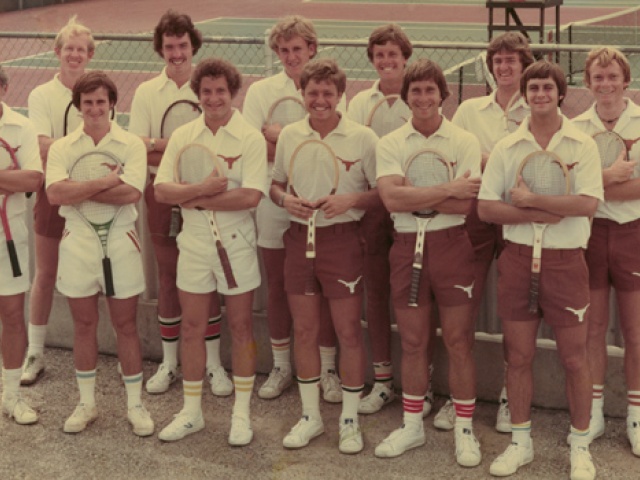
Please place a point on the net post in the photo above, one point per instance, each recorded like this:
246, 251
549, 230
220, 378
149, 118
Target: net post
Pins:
268, 54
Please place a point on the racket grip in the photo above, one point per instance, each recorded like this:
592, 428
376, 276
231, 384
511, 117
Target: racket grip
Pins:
415, 286
174, 223
226, 266
533, 293
108, 277
13, 258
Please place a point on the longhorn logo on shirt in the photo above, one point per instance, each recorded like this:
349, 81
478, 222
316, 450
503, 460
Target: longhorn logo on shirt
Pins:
571, 165
230, 160
347, 164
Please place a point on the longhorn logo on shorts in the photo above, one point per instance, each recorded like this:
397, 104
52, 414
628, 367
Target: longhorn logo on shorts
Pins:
347, 164
468, 289
351, 285
229, 160
579, 313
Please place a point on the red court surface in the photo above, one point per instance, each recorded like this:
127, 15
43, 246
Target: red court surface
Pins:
120, 16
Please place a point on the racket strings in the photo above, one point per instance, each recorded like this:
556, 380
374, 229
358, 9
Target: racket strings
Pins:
314, 172
609, 147
287, 112
194, 165
177, 115
544, 176
91, 167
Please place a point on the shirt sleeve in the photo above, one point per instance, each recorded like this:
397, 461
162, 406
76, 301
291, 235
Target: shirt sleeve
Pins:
135, 167
388, 157
38, 114
254, 166
369, 156
252, 110
469, 155
139, 120
493, 179
588, 175
167, 163
28, 154
57, 163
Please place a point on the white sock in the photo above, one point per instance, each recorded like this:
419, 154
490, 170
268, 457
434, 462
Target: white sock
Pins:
37, 336
170, 333
133, 386
243, 387
87, 386
192, 394
350, 401
327, 359
11, 383
281, 350
310, 396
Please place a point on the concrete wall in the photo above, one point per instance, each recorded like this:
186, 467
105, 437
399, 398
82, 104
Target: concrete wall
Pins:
549, 390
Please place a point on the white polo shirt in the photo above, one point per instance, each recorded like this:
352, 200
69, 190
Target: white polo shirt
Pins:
21, 136
47, 105
628, 127
579, 153
353, 144
485, 118
361, 105
151, 100
125, 146
458, 146
236, 139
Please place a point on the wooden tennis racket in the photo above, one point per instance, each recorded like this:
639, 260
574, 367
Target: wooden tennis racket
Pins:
544, 173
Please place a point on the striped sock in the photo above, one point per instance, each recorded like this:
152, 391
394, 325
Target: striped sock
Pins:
87, 386
192, 394
170, 334
521, 433
11, 383
464, 411
383, 372
580, 438
212, 342
281, 349
350, 401
310, 396
133, 386
412, 406
37, 335
633, 410
243, 387
327, 359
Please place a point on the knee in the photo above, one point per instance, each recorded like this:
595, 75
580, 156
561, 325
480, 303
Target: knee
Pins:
413, 345
518, 360
458, 344
575, 363
305, 334
241, 331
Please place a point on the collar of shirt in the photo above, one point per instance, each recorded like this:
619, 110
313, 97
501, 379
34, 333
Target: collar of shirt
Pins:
591, 115
341, 128
167, 82
234, 126
116, 133
60, 86
9, 116
567, 130
444, 130
283, 80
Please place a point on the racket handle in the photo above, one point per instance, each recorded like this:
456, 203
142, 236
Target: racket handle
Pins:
533, 293
226, 265
108, 277
174, 223
13, 258
415, 286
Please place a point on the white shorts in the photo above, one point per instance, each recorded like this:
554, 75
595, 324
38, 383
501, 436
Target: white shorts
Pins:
80, 271
199, 268
272, 222
10, 285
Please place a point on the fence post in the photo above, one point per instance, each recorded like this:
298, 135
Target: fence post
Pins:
268, 54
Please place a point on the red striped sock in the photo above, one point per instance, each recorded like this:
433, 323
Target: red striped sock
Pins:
633, 397
464, 410
412, 406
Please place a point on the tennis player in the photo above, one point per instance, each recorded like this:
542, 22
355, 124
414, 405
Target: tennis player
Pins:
612, 255
80, 273
488, 119
74, 47
563, 300
223, 130
19, 135
338, 263
388, 50
447, 271
176, 40
295, 42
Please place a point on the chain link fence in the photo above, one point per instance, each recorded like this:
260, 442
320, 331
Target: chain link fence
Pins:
130, 59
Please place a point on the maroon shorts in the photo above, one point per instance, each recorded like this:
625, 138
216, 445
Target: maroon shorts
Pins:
338, 266
46, 220
377, 231
486, 238
613, 255
564, 286
158, 217
447, 270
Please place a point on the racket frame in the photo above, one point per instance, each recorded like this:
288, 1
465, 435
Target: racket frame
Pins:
378, 104
539, 229
275, 104
210, 214
422, 221
618, 139
310, 251
11, 246
102, 230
